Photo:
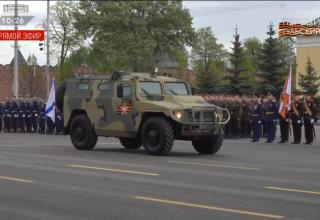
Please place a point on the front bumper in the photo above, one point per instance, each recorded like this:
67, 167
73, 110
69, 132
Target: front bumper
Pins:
195, 130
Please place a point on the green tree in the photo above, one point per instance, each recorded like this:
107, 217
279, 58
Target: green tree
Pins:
309, 81
253, 49
248, 76
126, 34
237, 81
64, 36
271, 65
208, 58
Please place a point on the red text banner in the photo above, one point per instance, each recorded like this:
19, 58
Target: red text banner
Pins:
30, 35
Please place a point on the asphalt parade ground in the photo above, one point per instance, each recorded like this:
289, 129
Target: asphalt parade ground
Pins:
44, 177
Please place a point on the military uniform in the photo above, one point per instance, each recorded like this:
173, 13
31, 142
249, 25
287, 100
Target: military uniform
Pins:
7, 117
28, 120
59, 122
296, 114
245, 122
256, 117
14, 115
50, 125
22, 116
309, 118
270, 118
237, 113
35, 115
284, 128
42, 119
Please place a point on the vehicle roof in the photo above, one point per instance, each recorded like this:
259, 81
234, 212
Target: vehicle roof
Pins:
125, 77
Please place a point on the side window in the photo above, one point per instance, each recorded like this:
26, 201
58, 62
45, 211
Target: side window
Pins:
124, 91
127, 91
83, 86
104, 87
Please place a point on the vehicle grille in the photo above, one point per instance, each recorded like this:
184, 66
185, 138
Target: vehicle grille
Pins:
201, 116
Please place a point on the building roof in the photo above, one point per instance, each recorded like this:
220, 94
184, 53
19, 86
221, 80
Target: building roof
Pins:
21, 60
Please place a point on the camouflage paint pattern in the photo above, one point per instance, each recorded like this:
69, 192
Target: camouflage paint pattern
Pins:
121, 117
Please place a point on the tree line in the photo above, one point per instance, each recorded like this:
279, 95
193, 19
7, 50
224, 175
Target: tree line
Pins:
128, 35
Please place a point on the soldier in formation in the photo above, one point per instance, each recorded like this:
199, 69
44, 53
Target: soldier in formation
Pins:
28, 115
255, 117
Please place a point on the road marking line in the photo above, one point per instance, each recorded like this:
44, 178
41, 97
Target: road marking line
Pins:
293, 190
16, 179
113, 170
50, 145
213, 165
193, 205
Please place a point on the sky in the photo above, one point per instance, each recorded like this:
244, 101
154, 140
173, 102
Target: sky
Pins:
251, 17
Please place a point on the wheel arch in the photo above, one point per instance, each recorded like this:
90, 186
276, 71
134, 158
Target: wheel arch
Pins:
147, 115
74, 113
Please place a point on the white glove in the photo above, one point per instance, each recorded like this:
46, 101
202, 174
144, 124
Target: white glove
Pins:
299, 121
259, 122
287, 120
312, 121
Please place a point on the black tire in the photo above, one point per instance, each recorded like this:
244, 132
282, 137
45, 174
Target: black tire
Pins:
130, 143
61, 90
157, 136
83, 136
208, 145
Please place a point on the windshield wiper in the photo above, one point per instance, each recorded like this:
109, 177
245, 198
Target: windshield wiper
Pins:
173, 92
145, 92
156, 97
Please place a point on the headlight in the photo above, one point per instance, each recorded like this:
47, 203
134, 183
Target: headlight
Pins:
178, 115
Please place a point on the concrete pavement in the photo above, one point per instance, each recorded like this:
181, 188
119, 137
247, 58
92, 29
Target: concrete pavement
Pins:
44, 177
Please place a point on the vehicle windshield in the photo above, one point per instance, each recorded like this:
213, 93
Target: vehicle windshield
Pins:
175, 88
150, 88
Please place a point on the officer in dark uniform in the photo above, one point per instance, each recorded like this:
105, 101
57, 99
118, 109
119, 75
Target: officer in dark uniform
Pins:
28, 117
1, 116
7, 117
264, 101
59, 122
256, 117
309, 118
296, 114
35, 115
22, 115
14, 114
271, 118
42, 118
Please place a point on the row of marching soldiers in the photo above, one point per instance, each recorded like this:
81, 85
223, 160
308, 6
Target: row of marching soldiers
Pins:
28, 116
255, 117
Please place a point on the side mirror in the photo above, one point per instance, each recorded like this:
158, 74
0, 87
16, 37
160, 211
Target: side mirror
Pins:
120, 91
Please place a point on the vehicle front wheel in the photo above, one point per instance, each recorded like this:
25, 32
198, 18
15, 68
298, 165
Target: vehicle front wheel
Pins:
157, 136
130, 143
83, 135
208, 145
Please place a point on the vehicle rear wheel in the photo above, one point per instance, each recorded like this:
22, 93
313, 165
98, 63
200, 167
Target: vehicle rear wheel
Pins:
157, 136
130, 143
83, 136
208, 145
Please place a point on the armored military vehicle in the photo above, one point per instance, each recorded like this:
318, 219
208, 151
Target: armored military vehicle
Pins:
140, 109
